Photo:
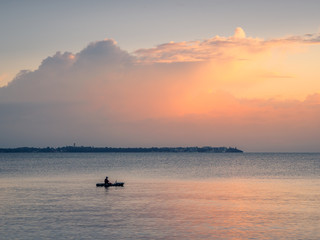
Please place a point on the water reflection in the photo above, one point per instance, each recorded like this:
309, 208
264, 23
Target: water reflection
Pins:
235, 209
164, 197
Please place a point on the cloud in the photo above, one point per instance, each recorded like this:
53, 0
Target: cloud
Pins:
217, 48
239, 33
219, 91
306, 39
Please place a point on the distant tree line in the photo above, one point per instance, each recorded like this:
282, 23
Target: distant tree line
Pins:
112, 149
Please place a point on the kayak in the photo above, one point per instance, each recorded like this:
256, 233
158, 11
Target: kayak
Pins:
116, 184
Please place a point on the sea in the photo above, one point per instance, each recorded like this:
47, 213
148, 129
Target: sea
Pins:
165, 196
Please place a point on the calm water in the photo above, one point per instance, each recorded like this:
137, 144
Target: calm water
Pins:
166, 196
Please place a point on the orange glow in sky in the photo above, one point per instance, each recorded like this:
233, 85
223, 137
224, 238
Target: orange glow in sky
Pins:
218, 91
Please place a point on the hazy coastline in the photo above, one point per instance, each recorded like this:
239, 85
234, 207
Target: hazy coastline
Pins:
122, 149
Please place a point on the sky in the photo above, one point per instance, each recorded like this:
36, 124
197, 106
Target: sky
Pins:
161, 73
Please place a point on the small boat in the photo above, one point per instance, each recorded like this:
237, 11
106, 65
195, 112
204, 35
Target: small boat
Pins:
116, 184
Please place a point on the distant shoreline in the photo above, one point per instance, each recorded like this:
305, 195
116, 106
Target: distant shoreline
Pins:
113, 150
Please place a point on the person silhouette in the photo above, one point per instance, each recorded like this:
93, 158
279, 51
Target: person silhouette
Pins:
106, 181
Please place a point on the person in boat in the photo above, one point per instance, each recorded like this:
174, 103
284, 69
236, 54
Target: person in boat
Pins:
106, 181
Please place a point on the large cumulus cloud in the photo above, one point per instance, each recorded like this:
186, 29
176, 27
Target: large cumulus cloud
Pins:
173, 94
